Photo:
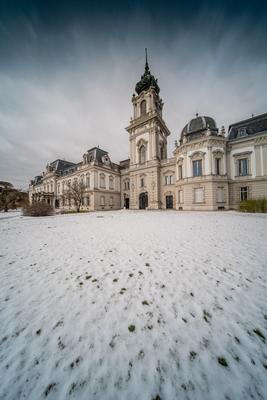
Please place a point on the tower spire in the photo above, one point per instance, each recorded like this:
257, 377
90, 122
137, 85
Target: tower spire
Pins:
146, 65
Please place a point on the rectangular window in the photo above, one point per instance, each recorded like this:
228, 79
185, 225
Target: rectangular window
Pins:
102, 201
168, 179
111, 201
180, 196
218, 166
197, 168
142, 182
220, 195
180, 172
244, 193
102, 181
111, 183
199, 195
242, 167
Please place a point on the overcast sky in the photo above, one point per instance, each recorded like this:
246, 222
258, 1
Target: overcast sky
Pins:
68, 70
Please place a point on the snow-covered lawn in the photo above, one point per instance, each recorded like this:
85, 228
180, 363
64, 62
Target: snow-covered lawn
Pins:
133, 306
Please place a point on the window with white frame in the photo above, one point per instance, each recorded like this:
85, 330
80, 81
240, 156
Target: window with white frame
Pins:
102, 200
197, 167
168, 179
199, 195
242, 167
111, 201
244, 193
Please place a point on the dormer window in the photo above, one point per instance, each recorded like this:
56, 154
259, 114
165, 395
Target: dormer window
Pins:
242, 132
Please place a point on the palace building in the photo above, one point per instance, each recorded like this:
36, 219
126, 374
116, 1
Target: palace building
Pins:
209, 168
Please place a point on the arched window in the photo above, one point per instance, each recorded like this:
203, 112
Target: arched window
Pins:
142, 154
143, 107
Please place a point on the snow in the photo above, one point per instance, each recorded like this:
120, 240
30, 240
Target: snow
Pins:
193, 285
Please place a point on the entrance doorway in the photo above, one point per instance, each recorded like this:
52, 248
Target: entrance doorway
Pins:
127, 203
169, 201
143, 201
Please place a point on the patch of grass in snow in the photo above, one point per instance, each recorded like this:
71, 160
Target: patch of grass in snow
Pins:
192, 355
115, 280
75, 363
60, 344
49, 388
3, 340
131, 275
260, 334
88, 277
72, 387
131, 328
38, 332
59, 323
157, 397
206, 316
123, 290
147, 264
222, 361
141, 355
94, 280
145, 303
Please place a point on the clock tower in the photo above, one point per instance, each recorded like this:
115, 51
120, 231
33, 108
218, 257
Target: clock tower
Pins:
148, 142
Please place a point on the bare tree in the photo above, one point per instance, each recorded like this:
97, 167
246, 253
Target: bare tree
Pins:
75, 193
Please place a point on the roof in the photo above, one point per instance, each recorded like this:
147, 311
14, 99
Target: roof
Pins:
248, 127
196, 126
125, 163
61, 165
147, 81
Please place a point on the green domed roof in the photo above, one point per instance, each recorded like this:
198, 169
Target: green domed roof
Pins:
147, 81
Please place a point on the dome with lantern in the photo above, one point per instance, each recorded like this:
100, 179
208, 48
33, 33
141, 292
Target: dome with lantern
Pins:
198, 127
